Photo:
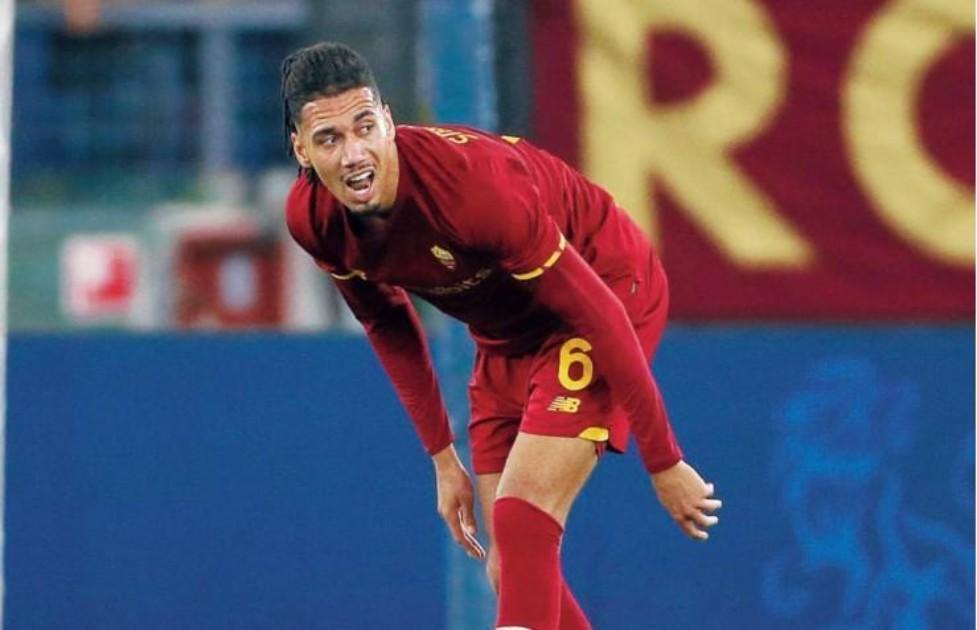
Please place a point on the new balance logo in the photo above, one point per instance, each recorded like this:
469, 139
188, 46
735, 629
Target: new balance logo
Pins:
565, 404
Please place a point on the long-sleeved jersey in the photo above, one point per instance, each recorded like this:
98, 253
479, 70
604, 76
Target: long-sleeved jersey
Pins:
488, 230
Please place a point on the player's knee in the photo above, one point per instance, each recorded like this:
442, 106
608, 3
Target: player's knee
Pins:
505, 523
519, 524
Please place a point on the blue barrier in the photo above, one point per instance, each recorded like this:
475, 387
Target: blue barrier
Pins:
845, 458
214, 482
269, 481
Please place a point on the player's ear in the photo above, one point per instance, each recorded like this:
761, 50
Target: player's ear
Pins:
298, 149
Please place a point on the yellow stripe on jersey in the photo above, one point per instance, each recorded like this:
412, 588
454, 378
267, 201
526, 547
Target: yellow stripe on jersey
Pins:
511, 139
595, 434
538, 271
356, 273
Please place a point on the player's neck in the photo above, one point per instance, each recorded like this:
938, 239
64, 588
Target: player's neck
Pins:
388, 196
369, 224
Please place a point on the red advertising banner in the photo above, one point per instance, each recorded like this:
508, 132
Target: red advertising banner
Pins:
792, 160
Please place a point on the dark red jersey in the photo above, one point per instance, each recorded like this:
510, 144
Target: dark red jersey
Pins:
477, 229
474, 212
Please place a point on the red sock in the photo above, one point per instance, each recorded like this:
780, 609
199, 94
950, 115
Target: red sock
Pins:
530, 583
571, 615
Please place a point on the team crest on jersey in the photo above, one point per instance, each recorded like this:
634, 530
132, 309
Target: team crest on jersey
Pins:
444, 257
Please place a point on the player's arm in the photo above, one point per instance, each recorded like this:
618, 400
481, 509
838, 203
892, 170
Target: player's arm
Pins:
509, 222
391, 324
394, 330
395, 333
504, 218
572, 290
397, 337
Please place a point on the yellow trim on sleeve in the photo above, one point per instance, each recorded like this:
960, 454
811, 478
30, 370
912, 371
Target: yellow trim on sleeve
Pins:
538, 271
529, 275
595, 434
356, 273
555, 256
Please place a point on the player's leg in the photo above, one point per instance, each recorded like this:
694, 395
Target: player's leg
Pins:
497, 395
572, 616
547, 471
542, 477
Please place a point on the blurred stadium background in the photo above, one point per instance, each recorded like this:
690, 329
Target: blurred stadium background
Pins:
807, 170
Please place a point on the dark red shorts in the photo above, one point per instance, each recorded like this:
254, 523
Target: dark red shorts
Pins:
559, 389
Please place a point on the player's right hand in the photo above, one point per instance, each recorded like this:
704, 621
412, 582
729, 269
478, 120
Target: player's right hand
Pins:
456, 501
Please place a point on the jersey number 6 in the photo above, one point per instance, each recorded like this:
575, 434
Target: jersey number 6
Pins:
574, 352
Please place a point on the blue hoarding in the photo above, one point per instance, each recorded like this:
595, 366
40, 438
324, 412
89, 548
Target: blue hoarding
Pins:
271, 481
845, 458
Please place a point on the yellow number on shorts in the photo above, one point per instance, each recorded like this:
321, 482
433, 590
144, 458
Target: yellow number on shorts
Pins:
574, 351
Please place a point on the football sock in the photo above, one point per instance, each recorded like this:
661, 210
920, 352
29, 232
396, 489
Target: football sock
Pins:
530, 589
572, 616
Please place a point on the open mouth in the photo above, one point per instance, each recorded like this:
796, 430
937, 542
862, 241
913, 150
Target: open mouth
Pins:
360, 184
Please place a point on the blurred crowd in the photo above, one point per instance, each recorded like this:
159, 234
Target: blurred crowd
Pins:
149, 168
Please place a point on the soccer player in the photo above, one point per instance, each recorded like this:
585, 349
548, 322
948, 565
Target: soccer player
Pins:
562, 293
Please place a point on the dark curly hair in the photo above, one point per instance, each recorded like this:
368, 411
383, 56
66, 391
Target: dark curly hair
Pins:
322, 69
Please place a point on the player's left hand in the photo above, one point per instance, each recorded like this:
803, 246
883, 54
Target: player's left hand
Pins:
456, 502
687, 499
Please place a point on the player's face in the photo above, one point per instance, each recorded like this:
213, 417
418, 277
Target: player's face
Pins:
348, 139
